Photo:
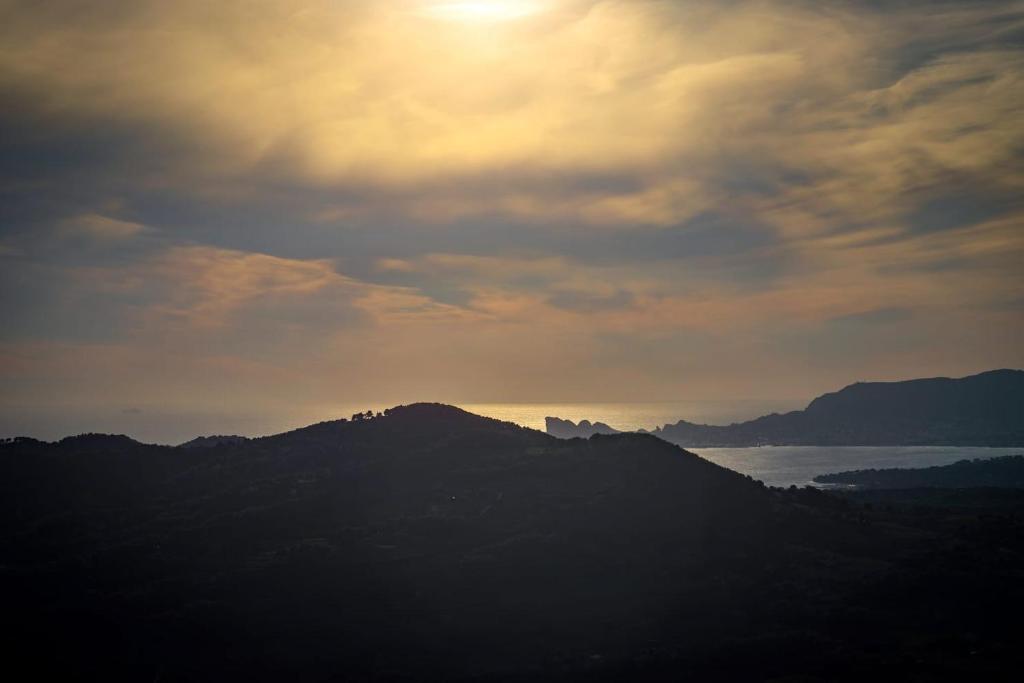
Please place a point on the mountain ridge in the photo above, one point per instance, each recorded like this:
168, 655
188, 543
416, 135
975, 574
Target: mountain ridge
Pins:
431, 544
417, 529
986, 409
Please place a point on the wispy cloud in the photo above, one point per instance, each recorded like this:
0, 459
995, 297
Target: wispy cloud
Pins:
100, 227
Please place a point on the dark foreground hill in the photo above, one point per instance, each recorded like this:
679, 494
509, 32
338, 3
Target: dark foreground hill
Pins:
980, 410
1004, 472
431, 544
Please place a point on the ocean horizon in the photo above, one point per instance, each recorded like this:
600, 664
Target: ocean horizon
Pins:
773, 465
632, 416
161, 426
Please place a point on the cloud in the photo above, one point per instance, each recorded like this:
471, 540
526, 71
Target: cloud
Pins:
377, 91
841, 115
590, 301
352, 197
100, 227
879, 316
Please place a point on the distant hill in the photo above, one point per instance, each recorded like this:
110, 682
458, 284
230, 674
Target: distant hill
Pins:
98, 443
1003, 472
980, 410
430, 544
567, 429
211, 441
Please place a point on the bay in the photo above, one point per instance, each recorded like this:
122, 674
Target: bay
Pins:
798, 465
774, 465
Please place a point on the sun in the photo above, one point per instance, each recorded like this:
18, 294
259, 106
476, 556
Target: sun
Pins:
484, 11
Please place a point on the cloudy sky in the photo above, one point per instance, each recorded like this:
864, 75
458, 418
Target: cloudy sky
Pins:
270, 207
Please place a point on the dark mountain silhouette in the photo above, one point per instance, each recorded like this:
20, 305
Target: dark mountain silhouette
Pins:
567, 429
211, 441
432, 544
1004, 472
980, 410
98, 443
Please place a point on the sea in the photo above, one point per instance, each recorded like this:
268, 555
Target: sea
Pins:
773, 465
798, 465
633, 416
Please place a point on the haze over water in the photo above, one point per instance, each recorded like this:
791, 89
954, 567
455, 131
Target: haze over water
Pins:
633, 416
774, 465
152, 425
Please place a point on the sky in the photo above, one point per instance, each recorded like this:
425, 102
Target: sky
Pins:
219, 212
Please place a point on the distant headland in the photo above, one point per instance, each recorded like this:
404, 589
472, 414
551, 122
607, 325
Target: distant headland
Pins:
986, 409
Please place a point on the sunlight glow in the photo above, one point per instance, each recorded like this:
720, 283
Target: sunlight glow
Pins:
484, 11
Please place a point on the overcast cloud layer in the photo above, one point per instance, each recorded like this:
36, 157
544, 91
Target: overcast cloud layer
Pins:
274, 207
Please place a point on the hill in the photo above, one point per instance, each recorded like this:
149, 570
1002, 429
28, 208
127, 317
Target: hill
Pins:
567, 429
1004, 472
210, 441
432, 544
981, 410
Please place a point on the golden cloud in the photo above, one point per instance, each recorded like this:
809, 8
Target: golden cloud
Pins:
383, 93
803, 117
